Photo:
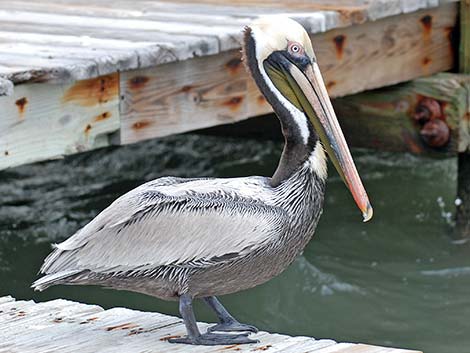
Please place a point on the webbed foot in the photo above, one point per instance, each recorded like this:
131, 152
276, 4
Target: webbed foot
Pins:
214, 339
232, 326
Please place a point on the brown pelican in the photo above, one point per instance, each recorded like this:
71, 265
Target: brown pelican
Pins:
181, 239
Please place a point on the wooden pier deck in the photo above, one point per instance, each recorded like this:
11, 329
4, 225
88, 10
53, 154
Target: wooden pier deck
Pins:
77, 75
65, 326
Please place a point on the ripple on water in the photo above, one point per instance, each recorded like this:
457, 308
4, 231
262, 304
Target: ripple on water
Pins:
448, 272
315, 280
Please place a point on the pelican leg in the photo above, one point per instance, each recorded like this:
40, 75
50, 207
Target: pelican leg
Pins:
206, 339
226, 321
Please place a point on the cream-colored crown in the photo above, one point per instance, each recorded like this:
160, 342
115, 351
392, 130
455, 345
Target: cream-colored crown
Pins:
272, 33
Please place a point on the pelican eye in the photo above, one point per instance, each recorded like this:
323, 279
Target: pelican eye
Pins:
295, 48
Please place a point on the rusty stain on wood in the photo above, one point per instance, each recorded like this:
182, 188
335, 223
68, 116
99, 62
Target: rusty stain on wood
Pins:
261, 99
229, 347
426, 61
166, 338
141, 124
330, 84
93, 91
87, 129
263, 348
426, 21
126, 326
102, 116
87, 321
339, 41
138, 82
186, 88
409, 140
21, 104
234, 65
233, 103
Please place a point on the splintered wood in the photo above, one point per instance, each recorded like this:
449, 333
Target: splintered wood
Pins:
65, 326
174, 66
43, 121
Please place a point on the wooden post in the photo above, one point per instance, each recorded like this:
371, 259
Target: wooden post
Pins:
463, 179
464, 49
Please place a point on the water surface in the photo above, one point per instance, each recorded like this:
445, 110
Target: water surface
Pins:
400, 280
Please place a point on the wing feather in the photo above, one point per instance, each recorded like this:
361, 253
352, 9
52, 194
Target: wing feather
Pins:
146, 229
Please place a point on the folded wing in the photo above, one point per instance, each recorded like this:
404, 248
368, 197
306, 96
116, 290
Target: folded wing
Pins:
146, 228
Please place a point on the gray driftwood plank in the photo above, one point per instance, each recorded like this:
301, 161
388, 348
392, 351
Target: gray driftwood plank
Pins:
68, 327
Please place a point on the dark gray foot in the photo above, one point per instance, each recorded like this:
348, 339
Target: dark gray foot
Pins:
214, 339
232, 326
227, 322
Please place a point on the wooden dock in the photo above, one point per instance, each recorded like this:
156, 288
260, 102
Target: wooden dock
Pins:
65, 326
77, 75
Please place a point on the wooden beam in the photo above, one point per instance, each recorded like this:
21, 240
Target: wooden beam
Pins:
397, 118
463, 178
464, 48
202, 92
44, 121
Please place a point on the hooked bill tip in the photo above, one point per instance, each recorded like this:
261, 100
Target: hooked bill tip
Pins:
368, 213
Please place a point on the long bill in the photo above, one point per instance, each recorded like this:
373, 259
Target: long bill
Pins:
312, 96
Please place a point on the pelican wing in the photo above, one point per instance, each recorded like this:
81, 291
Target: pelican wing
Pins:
163, 224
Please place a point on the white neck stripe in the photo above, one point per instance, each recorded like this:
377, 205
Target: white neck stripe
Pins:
297, 116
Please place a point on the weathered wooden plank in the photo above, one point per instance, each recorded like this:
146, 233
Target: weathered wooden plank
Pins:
60, 325
6, 299
72, 58
6, 87
170, 48
142, 8
136, 10
225, 33
47, 69
43, 121
215, 28
169, 99
352, 12
36, 37
310, 345
203, 92
388, 51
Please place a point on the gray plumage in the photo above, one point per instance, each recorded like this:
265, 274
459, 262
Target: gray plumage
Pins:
199, 236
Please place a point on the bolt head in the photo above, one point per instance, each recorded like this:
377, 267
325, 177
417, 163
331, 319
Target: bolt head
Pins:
435, 133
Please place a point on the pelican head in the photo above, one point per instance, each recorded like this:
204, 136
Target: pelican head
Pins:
279, 54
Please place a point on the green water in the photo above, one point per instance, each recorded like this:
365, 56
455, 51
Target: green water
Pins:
400, 280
